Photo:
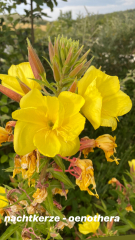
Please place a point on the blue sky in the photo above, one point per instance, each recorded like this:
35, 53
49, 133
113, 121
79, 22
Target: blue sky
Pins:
77, 6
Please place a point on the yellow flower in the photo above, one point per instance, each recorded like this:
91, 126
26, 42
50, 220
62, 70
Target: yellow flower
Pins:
104, 101
129, 208
132, 164
107, 143
3, 199
87, 176
50, 124
23, 72
88, 227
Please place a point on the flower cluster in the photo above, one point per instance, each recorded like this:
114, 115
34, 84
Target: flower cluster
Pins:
47, 127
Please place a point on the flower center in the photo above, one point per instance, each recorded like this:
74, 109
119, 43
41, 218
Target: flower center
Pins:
50, 124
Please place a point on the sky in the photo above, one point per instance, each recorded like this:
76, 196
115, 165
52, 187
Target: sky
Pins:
77, 6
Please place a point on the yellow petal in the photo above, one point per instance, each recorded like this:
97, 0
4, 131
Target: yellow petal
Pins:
11, 83
107, 85
107, 121
84, 82
72, 102
52, 108
23, 71
83, 229
117, 104
23, 137
30, 115
93, 105
34, 98
47, 143
72, 127
69, 148
3, 199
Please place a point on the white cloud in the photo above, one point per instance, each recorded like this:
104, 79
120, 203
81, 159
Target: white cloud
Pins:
80, 9
127, 2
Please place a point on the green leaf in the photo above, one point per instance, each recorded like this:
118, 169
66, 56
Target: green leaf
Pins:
103, 204
4, 158
49, 201
43, 228
55, 184
9, 231
38, 81
122, 229
57, 212
132, 225
101, 208
59, 162
4, 109
62, 177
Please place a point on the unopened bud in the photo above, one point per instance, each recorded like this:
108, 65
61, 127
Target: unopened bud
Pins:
35, 62
51, 51
76, 70
56, 72
73, 87
10, 93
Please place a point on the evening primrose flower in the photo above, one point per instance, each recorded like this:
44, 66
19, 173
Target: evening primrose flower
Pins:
88, 227
104, 101
23, 72
50, 124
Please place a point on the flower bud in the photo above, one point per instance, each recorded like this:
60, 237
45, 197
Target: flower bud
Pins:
10, 93
73, 87
132, 165
35, 62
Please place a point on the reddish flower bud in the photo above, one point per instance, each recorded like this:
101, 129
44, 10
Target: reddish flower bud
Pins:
10, 93
35, 62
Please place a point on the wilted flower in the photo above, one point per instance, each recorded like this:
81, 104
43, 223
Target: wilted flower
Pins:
40, 195
62, 192
107, 143
87, 176
104, 101
27, 165
88, 227
87, 145
23, 72
50, 124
